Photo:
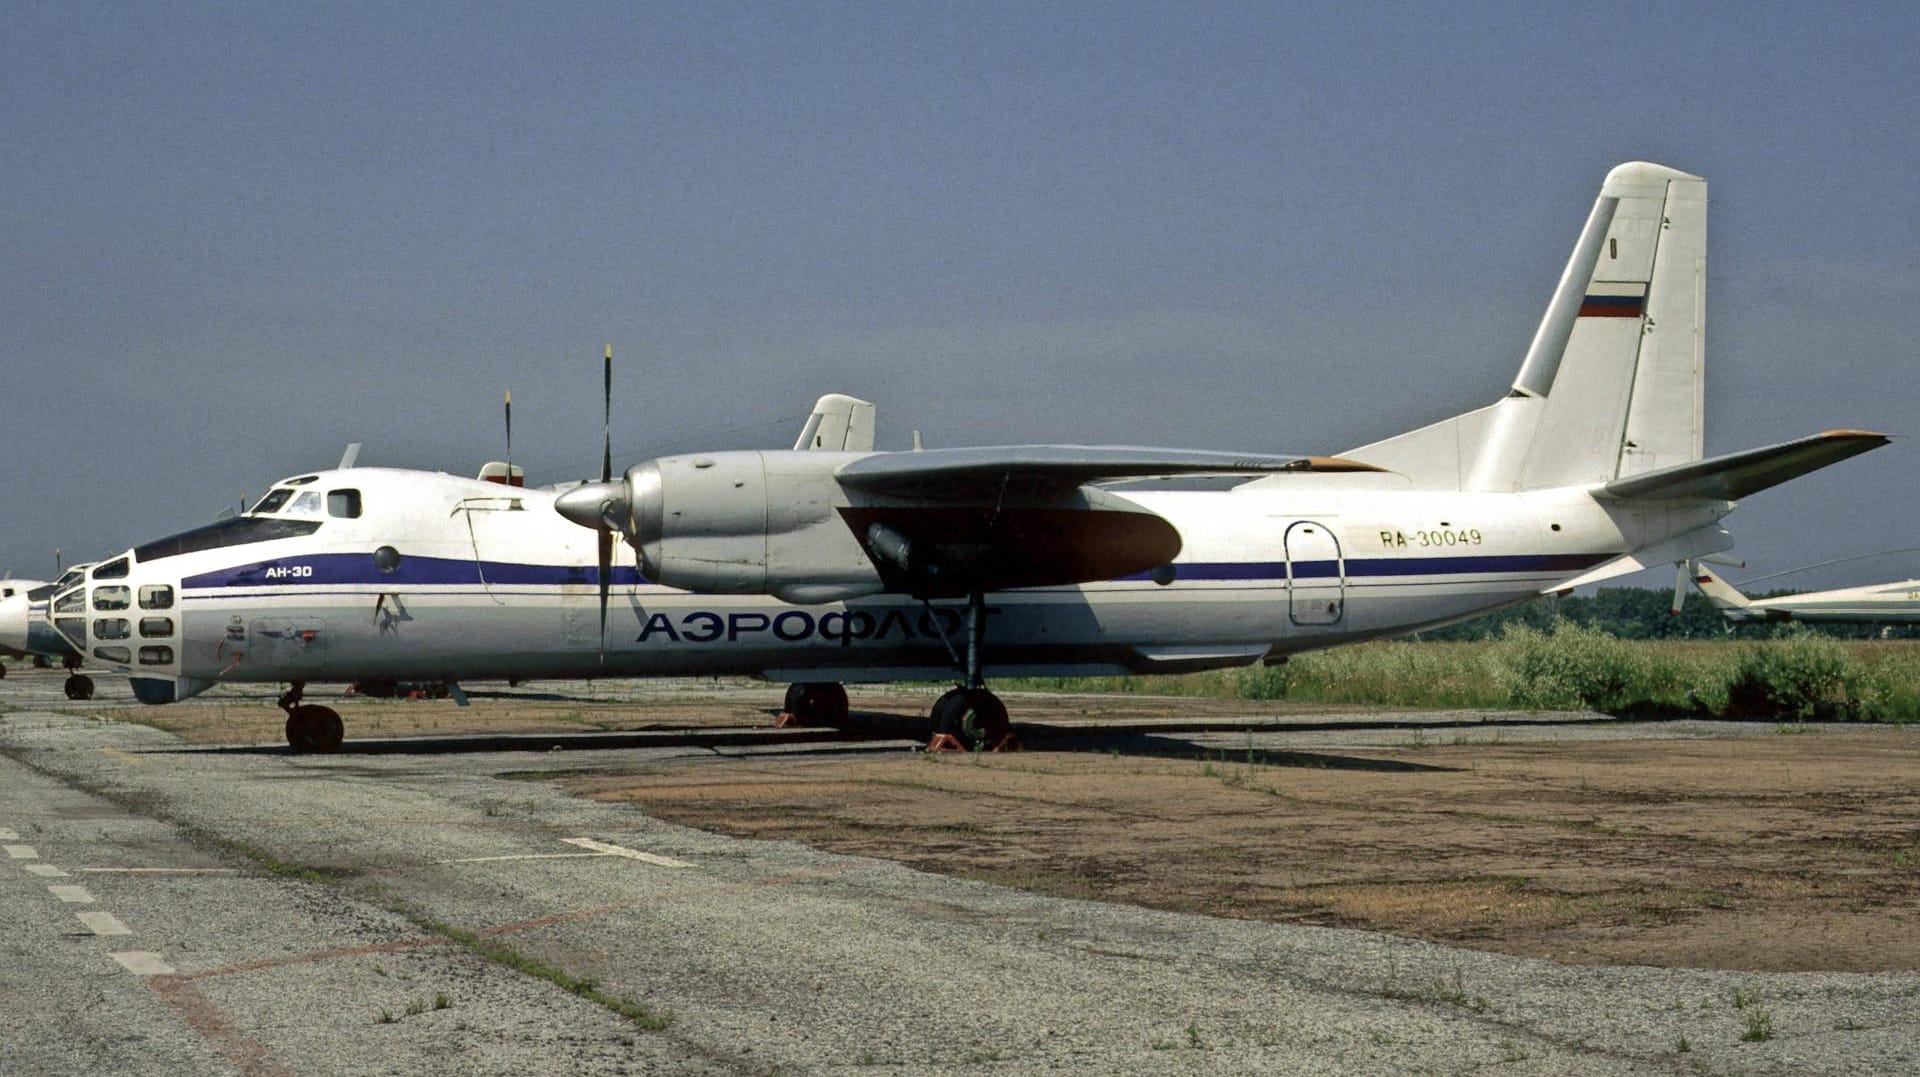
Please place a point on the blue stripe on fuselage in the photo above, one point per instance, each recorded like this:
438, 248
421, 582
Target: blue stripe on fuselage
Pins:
347, 569
329, 569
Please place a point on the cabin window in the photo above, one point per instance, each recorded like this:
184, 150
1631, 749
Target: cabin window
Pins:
273, 501
113, 654
156, 596
115, 597
156, 656
344, 504
160, 627
112, 570
112, 628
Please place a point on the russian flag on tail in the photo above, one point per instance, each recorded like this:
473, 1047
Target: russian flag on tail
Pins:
1614, 299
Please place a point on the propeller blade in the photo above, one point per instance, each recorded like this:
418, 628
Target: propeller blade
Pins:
606, 421
606, 586
1681, 575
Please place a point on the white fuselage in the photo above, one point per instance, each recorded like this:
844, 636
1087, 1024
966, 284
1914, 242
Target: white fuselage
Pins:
438, 577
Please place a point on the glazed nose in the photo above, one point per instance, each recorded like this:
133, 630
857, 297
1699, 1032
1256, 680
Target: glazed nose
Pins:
13, 623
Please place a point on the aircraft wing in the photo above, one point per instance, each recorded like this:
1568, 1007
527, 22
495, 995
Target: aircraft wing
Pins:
955, 521
1734, 476
962, 474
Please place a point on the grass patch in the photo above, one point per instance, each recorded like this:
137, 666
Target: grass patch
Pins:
500, 954
1794, 678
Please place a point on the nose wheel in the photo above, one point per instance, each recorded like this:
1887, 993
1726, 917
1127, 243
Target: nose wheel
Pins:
311, 728
79, 686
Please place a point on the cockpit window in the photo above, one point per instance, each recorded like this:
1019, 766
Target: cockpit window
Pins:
271, 502
112, 570
307, 504
233, 531
343, 503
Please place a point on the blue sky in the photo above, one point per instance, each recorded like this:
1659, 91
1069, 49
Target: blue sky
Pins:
236, 237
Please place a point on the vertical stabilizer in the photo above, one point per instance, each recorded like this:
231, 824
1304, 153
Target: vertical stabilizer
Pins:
1626, 388
1613, 380
839, 423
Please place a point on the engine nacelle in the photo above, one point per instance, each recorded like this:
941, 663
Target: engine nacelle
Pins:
747, 523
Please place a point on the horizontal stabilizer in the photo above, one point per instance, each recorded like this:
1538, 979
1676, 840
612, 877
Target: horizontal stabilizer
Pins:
959, 472
1734, 476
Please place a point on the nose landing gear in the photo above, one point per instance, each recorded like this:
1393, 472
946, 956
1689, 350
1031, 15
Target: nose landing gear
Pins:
311, 728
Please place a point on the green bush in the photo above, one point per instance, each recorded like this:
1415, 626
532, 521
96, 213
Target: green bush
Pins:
1570, 666
1799, 676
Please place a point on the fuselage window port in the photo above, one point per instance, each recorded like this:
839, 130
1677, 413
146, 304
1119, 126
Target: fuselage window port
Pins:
343, 503
112, 570
112, 628
156, 627
156, 656
115, 597
113, 654
156, 596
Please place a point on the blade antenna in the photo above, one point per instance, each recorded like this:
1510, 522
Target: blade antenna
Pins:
606, 475
509, 437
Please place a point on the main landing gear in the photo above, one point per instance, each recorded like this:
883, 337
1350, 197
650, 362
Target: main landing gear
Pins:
814, 703
970, 716
311, 728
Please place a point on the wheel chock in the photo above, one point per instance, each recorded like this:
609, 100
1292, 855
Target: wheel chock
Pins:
787, 720
945, 742
1008, 743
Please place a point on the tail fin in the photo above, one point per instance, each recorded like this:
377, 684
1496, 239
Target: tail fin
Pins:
1613, 382
1725, 597
839, 423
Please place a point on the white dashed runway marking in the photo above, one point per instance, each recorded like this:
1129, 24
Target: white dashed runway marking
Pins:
143, 963
21, 852
72, 895
45, 871
103, 923
159, 871
631, 854
8, 835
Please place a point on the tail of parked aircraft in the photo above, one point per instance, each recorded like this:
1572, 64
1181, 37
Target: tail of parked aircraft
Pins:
1613, 382
1725, 596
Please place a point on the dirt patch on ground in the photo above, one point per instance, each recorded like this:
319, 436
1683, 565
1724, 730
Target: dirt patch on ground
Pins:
1777, 849
1770, 852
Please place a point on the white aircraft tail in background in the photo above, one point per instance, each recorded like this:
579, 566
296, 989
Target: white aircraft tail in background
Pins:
1878, 603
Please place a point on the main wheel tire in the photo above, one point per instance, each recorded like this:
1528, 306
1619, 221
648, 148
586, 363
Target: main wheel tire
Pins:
983, 719
973, 716
796, 702
3, 671
313, 729
826, 703
40, 662
79, 687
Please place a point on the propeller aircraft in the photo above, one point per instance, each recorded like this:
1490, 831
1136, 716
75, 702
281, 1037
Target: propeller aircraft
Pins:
833, 563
